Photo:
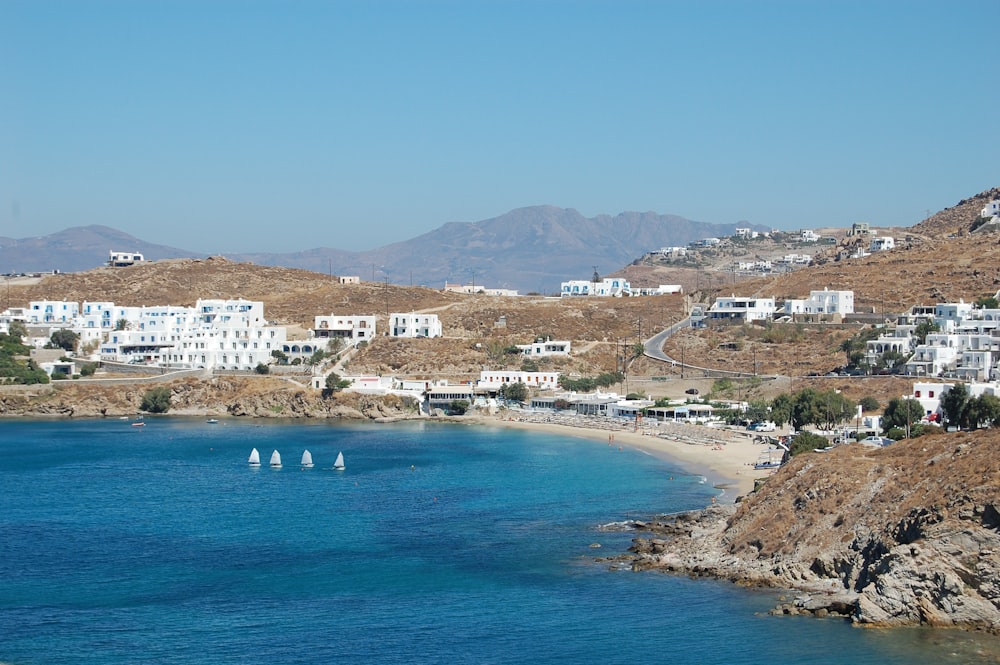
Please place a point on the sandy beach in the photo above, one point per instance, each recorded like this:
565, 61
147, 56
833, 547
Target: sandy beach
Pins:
725, 457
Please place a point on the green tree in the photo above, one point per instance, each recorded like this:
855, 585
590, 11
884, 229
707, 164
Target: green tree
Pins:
280, 356
902, 413
980, 411
869, 404
781, 409
122, 324
262, 368
514, 392
17, 330
924, 328
156, 400
317, 357
458, 407
805, 442
65, 339
988, 302
953, 402
88, 369
758, 410
334, 384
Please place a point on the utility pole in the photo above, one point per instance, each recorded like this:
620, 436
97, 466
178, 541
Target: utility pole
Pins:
387, 297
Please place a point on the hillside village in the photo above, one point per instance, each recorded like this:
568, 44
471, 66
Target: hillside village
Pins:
948, 341
811, 359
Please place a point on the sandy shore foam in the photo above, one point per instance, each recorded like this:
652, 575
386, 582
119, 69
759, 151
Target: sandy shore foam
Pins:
725, 457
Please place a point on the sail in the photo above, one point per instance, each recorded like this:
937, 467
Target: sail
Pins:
254, 459
275, 459
339, 464
307, 458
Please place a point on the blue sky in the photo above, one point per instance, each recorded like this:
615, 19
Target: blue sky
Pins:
235, 126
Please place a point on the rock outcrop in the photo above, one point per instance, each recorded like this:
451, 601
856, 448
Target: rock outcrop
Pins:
908, 534
233, 396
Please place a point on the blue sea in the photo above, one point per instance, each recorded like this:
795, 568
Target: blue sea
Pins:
438, 544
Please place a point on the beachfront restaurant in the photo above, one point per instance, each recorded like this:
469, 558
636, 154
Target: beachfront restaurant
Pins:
598, 406
680, 413
442, 397
631, 408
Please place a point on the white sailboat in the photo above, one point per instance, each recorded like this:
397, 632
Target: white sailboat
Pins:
339, 464
254, 459
275, 459
307, 459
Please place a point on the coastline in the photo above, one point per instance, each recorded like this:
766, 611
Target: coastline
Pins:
724, 457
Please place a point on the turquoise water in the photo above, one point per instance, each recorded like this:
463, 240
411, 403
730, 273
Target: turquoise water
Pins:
437, 544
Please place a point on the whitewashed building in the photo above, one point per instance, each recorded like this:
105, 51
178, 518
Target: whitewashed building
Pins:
351, 328
53, 311
414, 325
991, 209
123, 259
822, 302
614, 287
546, 347
495, 379
222, 334
741, 308
881, 244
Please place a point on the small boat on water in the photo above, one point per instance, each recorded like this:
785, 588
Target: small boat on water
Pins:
275, 459
307, 460
254, 459
139, 424
212, 421
339, 464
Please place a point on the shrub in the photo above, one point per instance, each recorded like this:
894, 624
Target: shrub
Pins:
156, 400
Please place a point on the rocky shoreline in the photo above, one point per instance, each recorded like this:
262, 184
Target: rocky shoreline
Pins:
908, 535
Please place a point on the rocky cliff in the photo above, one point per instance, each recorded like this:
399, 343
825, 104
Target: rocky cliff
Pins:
908, 534
234, 396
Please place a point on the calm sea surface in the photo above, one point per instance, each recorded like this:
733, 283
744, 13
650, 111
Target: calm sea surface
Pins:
437, 544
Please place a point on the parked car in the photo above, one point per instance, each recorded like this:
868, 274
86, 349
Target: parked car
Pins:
761, 427
880, 441
691, 391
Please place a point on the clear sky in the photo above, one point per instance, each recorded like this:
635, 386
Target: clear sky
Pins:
242, 125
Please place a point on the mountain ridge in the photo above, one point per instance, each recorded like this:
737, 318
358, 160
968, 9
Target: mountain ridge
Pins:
531, 248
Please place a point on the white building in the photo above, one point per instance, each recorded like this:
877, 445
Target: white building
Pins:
470, 289
545, 348
808, 235
661, 290
741, 308
122, 259
223, 334
414, 325
949, 315
52, 311
822, 302
991, 209
746, 233
495, 379
881, 244
608, 287
351, 328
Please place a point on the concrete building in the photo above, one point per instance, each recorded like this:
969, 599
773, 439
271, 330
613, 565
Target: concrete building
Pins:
741, 308
123, 259
351, 328
414, 325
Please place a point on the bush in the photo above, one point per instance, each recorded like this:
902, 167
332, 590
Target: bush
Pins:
88, 369
261, 368
458, 407
156, 400
805, 442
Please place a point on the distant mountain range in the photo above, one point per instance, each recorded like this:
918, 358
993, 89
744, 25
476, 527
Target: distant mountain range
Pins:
529, 249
